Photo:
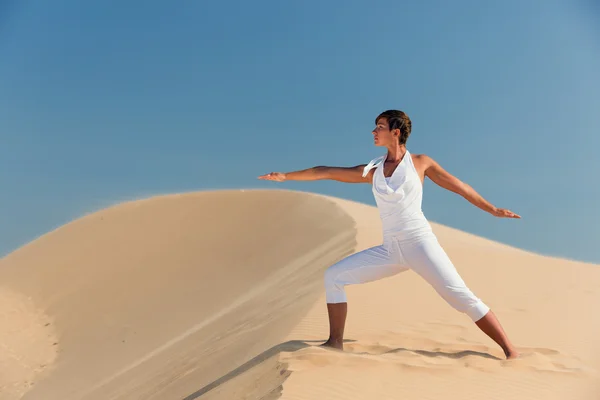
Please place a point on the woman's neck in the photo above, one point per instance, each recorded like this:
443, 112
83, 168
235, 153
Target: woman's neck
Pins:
396, 153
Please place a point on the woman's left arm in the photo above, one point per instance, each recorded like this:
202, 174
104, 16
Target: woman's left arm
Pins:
444, 179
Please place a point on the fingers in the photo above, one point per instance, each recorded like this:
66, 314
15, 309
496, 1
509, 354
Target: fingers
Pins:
268, 176
503, 213
272, 176
511, 214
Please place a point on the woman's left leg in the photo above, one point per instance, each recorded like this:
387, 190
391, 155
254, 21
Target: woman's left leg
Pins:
368, 265
428, 259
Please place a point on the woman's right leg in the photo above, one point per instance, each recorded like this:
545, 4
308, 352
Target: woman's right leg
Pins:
365, 266
428, 259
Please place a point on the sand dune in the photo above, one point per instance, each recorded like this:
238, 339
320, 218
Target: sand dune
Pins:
219, 295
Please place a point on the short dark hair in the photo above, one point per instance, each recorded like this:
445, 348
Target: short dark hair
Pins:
397, 120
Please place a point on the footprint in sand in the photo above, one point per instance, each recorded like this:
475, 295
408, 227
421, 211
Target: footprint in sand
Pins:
545, 360
449, 357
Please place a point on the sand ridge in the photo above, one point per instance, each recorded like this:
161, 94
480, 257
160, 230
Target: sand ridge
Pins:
219, 295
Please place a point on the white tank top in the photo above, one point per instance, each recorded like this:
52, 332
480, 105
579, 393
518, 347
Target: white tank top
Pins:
399, 199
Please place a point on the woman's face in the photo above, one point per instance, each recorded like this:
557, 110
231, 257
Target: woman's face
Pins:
382, 136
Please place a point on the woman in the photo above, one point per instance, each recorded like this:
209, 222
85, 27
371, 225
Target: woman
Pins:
408, 240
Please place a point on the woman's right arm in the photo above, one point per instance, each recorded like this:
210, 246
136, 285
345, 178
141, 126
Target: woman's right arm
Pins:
340, 174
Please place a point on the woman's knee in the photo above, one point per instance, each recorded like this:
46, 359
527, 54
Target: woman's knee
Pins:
464, 301
331, 275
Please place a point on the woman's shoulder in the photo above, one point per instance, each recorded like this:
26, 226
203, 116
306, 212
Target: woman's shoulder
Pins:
422, 162
423, 158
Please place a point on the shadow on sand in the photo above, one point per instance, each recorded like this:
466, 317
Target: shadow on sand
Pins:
456, 355
274, 366
293, 345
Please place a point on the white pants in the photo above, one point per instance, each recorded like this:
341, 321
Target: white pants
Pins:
423, 255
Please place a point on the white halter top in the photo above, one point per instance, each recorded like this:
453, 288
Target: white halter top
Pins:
399, 198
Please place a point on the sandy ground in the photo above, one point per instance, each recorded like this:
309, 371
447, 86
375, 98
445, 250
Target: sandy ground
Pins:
219, 295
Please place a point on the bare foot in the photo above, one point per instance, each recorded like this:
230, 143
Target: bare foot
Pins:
336, 344
490, 325
512, 354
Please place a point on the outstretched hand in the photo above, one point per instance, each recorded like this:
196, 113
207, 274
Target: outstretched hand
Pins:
273, 176
504, 213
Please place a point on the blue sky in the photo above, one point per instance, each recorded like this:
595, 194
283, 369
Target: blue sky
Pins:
107, 101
